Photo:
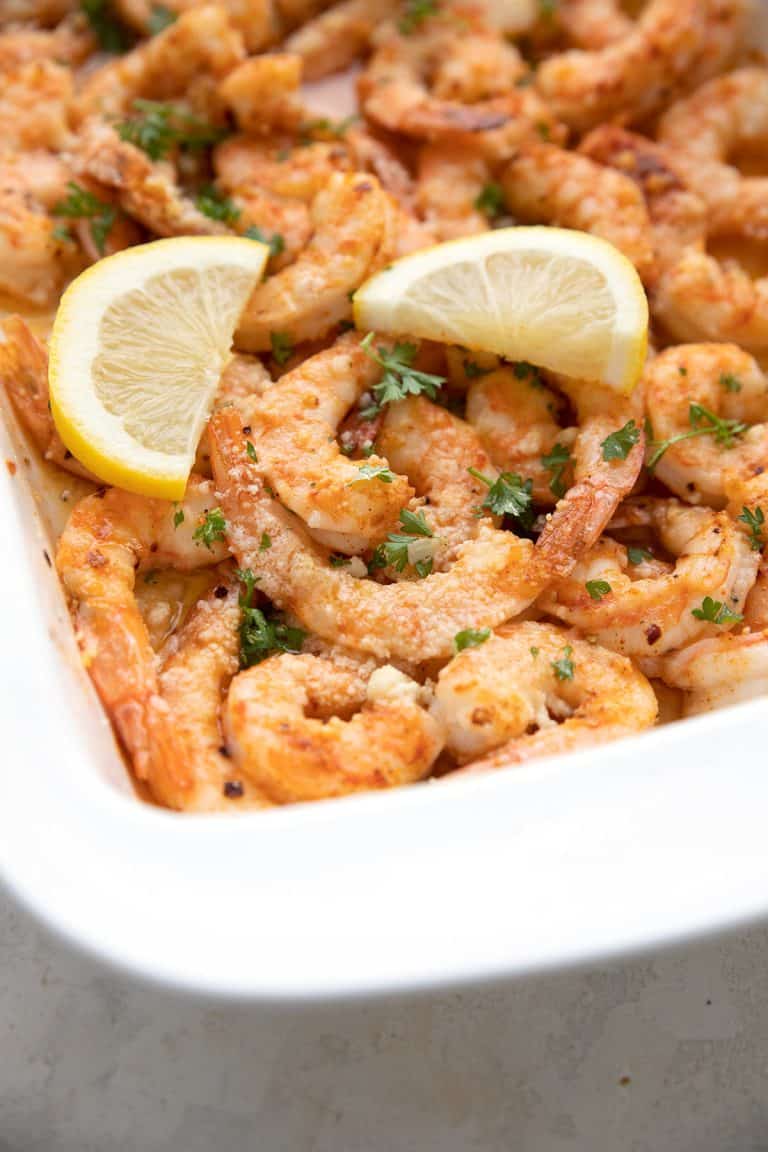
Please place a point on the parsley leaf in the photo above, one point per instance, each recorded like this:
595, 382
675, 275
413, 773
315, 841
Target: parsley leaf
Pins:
508, 495
547, 8
414, 546
250, 452
265, 542
556, 462
338, 561
275, 242
178, 517
597, 588
161, 18
399, 379
491, 200
373, 472
214, 204
155, 128
754, 521
619, 444
730, 382
470, 638
82, 204
415, 12
282, 347
703, 422
261, 634
472, 369
323, 126
212, 528
638, 555
716, 612
563, 668
111, 33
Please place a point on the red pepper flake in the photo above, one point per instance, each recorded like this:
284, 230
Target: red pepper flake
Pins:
11, 466
653, 633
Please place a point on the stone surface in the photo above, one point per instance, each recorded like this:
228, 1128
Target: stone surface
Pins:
667, 1053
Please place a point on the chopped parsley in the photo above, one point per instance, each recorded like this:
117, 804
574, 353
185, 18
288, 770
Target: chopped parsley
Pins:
415, 12
265, 542
716, 612
730, 382
150, 577
111, 33
250, 452
213, 527
563, 668
548, 8
703, 422
338, 561
400, 379
470, 638
373, 472
323, 126
82, 204
261, 634
161, 18
156, 128
620, 443
534, 652
508, 495
275, 242
282, 347
178, 517
472, 369
597, 588
522, 370
413, 546
755, 522
491, 200
638, 555
214, 204
557, 462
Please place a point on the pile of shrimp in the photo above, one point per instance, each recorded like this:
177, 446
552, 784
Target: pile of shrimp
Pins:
397, 561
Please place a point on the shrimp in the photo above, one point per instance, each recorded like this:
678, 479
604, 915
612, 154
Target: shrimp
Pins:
332, 40
188, 58
593, 24
727, 113
476, 67
351, 218
243, 379
256, 20
544, 183
725, 381
35, 103
652, 611
189, 766
262, 93
146, 190
70, 42
44, 12
285, 733
675, 45
536, 690
108, 537
719, 671
450, 182
32, 254
293, 431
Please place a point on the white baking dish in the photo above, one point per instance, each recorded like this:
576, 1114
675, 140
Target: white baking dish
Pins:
639, 843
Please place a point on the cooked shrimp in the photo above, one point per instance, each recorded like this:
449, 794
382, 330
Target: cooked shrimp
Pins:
146, 190
536, 690
651, 612
450, 181
285, 732
335, 38
726, 114
35, 99
257, 20
32, 255
719, 671
477, 66
243, 379
544, 183
189, 767
293, 431
45, 12
305, 300
108, 537
263, 93
593, 24
68, 43
726, 382
674, 45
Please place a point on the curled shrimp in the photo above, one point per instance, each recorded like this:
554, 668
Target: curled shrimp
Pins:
256, 20
536, 690
44, 12
293, 431
724, 115
593, 24
652, 606
33, 256
544, 183
189, 768
351, 218
450, 181
70, 42
725, 381
333, 39
244, 378
674, 45
35, 103
719, 671
108, 537
285, 733
262, 93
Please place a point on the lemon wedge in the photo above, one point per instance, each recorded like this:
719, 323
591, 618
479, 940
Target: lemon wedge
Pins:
560, 299
137, 349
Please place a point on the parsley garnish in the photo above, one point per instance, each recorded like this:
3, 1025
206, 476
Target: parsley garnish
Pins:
399, 379
703, 422
150, 577
156, 127
563, 668
409, 547
470, 638
638, 555
534, 652
250, 452
715, 612
597, 588
212, 528
754, 521
508, 495
282, 347
547, 8
214, 204
178, 517
323, 126
415, 12
262, 634
556, 462
275, 242
338, 561
472, 369
373, 472
111, 33
491, 200
82, 204
730, 382
619, 444
265, 542
161, 18
522, 369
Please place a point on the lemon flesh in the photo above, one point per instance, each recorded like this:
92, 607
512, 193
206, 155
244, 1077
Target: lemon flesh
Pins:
138, 346
560, 299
